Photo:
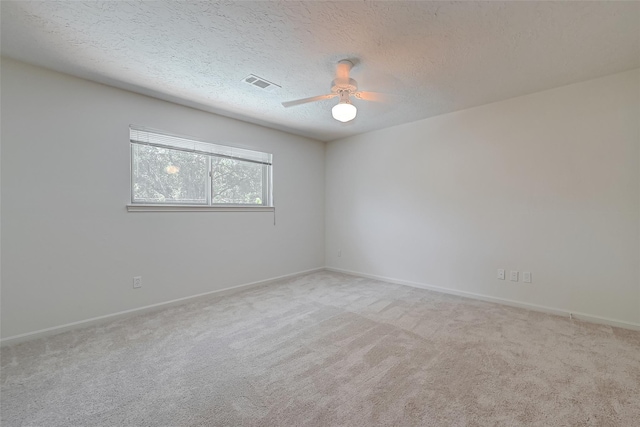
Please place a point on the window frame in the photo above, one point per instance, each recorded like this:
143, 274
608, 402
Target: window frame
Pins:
208, 205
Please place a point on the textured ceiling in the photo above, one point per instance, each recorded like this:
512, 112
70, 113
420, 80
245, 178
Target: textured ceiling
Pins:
434, 57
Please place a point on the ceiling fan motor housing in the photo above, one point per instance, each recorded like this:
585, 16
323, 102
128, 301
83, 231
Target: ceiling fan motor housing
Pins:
350, 87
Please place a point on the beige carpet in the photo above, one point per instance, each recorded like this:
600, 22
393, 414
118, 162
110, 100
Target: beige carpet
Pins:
327, 349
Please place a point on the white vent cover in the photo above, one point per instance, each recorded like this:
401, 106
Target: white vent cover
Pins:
260, 83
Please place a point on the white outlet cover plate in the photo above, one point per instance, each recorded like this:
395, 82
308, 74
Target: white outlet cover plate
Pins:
514, 276
137, 282
526, 277
501, 273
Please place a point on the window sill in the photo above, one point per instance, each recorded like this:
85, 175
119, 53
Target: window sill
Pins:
197, 208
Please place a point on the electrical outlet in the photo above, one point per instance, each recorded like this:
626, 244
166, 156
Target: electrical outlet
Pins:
514, 276
339, 253
526, 277
501, 273
137, 282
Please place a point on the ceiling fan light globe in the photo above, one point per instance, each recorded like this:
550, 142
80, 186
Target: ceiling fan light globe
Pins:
344, 112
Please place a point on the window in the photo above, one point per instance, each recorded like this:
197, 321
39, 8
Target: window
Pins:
173, 170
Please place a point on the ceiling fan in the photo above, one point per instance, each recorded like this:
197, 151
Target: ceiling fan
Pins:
342, 87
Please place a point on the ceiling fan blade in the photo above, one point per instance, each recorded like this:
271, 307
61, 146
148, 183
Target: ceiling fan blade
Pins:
371, 96
305, 100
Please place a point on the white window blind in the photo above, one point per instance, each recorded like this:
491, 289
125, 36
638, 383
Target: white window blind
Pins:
172, 169
144, 136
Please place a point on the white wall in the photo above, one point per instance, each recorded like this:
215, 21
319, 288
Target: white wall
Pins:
69, 247
547, 183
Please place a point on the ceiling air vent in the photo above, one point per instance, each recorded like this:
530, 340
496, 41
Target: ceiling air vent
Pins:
260, 83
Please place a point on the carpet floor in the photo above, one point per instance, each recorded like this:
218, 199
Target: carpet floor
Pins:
327, 349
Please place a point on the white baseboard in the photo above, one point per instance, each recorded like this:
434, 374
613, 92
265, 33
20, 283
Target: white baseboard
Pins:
534, 307
148, 308
233, 289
